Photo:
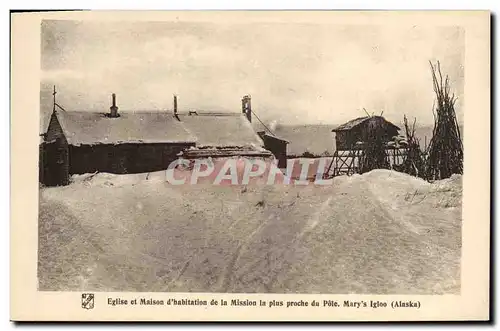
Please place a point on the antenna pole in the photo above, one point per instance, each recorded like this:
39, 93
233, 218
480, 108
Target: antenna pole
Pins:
54, 99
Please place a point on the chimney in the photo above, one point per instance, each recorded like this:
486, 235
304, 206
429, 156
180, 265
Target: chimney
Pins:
175, 104
113, 109
246, 107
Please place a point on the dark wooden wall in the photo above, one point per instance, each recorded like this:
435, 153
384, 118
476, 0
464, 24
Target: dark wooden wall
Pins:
278, 148
124, 158
54, 163
343, 140
54, 156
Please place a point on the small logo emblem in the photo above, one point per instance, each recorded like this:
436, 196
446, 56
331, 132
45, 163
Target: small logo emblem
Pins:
88, 300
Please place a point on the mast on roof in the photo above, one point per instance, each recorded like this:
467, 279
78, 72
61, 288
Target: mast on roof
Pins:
367, 112
54, 99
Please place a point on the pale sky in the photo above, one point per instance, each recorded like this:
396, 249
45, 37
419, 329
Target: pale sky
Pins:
295, 73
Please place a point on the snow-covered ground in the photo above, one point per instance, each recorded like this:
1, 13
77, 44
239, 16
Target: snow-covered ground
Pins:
380, 232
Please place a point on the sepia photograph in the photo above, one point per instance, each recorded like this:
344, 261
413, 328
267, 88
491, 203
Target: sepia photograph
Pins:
254, 159
377, 118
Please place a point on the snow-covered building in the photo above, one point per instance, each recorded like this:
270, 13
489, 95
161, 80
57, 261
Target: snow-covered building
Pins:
349, 134
78, 142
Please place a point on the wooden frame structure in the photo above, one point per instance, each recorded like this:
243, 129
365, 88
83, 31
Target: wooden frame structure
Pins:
348, 162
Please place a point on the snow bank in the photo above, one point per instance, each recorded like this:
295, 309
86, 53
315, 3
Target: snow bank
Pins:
398, 189
381, 232
108, 179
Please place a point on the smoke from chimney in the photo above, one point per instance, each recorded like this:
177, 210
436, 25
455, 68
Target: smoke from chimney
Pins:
273, 125
246, 107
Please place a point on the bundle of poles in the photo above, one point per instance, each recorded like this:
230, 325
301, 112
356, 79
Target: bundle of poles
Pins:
414, 163
374, 155
445, 150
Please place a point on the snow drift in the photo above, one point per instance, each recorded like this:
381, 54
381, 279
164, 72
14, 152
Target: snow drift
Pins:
381, 232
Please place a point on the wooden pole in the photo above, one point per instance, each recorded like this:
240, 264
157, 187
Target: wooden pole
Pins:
54, 99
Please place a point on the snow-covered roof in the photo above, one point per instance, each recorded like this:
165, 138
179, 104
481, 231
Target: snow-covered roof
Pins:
264, 134
206, 129
90, 128
220, 129
357, 121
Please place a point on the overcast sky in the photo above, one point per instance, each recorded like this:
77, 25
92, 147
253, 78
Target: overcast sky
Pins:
296, 73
